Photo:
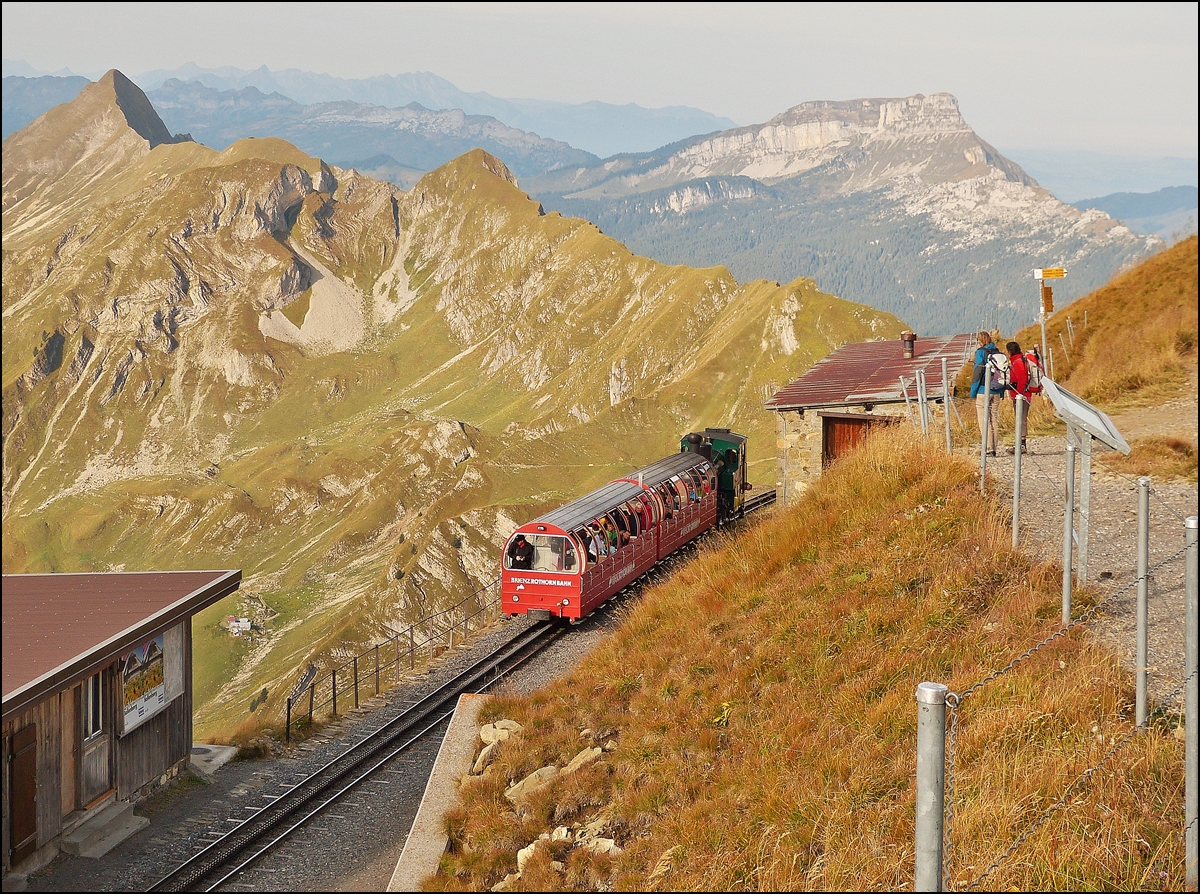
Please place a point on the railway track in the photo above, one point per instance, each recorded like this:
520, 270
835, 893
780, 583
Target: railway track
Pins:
758, 501
296, 805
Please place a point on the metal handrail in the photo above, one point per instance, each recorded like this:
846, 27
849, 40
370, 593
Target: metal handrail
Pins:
432, 638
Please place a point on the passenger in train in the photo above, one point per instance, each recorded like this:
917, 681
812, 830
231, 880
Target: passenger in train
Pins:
668, 501
589, 545
622, 523
520, 553
646, 515
609, 533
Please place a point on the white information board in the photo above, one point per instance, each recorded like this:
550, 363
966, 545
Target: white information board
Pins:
1076, 411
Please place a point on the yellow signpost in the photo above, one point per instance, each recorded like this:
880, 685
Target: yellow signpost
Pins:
1046, 295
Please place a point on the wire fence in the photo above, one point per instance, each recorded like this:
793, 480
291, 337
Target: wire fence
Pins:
383, 665
935, 864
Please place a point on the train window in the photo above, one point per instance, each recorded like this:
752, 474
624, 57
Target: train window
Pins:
588, 544
550, 553
681, 490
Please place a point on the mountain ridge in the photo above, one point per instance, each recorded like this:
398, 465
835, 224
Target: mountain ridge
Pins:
895, 203
255, 359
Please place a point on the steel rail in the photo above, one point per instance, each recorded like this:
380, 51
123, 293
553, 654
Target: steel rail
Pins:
758, 501
306, 799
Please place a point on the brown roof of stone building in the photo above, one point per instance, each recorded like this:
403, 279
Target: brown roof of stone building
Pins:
60, 628
869, 373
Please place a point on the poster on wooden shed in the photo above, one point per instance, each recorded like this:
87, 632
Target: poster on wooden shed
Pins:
143, 683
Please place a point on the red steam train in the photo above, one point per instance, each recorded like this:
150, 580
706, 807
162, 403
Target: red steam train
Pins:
569, 561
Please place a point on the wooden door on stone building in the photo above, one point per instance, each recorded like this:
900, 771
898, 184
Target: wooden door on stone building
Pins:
842, 432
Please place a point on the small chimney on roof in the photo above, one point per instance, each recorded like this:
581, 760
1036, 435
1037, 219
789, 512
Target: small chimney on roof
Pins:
909, 340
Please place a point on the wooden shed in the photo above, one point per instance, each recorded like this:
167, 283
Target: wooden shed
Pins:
831, 408
97, 695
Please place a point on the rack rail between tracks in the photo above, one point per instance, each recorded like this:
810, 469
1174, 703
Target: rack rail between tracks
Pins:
296, 805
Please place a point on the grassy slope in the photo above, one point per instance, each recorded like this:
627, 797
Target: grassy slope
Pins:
1138, 349
762, 705
1140, 337
317, 479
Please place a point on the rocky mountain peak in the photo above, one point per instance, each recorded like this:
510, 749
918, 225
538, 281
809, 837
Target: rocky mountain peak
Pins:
881, 118
139, 113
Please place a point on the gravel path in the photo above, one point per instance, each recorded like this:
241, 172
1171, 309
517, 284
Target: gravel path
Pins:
1112, 544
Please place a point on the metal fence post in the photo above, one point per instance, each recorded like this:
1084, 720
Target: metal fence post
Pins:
396, 643
287, 725
333, 675
931, 785
987, 414
377, 669
356, 681
907, 402
1068, 534
1143, 598
922, 402
946, 405
1016, 512
1192, 714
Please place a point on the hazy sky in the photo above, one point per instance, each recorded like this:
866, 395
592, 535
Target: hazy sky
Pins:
1115, 78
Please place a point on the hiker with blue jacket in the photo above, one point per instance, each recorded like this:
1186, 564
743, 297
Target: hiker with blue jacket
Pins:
979, 380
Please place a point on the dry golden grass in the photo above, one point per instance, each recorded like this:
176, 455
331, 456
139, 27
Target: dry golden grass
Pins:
1160, 457
761, 702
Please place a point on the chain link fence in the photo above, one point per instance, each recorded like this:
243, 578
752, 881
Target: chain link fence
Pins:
938, 799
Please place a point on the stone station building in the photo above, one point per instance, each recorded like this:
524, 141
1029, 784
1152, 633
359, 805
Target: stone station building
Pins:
831, 408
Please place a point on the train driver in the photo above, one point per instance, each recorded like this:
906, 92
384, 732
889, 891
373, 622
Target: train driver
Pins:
520, 553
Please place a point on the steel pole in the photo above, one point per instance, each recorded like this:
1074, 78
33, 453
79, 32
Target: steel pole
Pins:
1143, 599
987, 417
1191, 715
922, 403
1016, 515
931, 785
946, 405
1042, 316
907, 402
1085, 506
1068, 534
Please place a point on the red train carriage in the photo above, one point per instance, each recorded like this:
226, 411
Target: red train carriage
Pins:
567, 562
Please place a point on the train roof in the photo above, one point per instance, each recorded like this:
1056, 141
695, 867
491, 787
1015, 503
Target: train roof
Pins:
583, 510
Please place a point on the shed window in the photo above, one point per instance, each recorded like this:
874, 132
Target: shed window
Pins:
93, 706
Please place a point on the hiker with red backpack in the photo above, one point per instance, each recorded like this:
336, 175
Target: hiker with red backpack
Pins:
1025, 380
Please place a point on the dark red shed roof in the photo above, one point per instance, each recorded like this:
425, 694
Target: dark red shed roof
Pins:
869, 373
61, 628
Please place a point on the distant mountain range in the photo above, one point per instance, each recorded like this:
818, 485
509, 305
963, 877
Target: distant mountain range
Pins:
1168, 212
895, 203
599, 128
411, 139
